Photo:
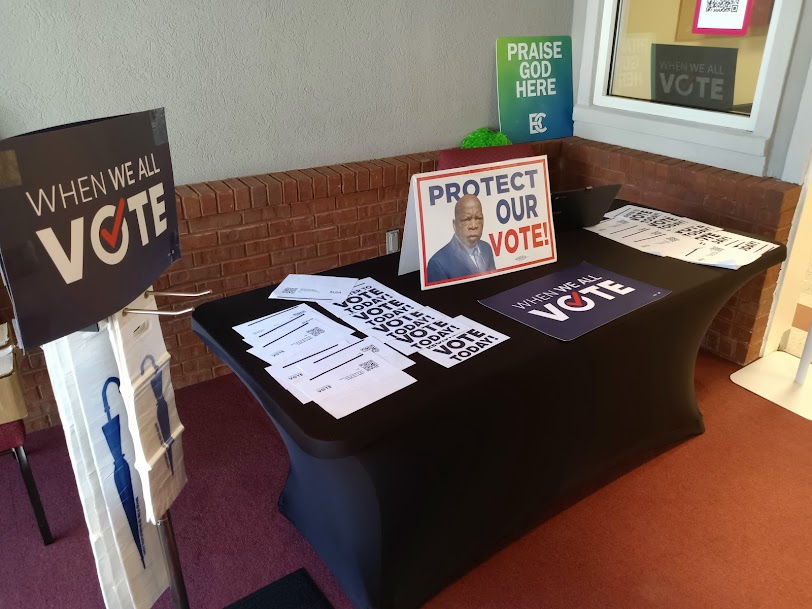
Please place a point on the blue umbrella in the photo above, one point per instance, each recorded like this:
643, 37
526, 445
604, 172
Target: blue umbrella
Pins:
121, 473
157, 382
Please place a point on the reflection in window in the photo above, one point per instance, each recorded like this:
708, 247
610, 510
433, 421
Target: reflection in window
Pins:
658, 57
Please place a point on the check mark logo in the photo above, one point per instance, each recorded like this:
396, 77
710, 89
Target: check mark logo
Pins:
112, 237
575, 300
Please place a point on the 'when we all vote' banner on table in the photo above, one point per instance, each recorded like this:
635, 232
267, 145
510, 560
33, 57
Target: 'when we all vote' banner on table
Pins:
572, 302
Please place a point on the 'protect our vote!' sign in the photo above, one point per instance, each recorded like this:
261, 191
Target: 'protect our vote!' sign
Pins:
534, 87
87, 220
570, 303
474, 222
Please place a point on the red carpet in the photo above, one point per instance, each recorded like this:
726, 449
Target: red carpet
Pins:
721, 521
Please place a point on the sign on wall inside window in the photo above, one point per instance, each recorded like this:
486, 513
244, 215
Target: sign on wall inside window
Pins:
697, 77
534, 87
722, 17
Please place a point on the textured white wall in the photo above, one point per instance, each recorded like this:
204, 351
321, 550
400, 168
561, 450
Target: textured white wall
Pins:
257, 86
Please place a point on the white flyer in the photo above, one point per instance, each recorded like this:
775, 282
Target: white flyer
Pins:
664, 234
272, 328
458, 348
287, 372
753, 246
287, 340
314, 288
319, 364
255, 327
292, 373
355, 383
428, 329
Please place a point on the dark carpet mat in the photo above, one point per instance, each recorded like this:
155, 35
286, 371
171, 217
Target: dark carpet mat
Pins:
294, 591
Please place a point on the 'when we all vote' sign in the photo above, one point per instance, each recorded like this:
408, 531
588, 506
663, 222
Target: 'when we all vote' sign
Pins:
534, 87
572, 302
88, 220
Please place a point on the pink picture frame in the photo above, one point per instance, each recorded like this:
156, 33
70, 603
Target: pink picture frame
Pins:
738, 31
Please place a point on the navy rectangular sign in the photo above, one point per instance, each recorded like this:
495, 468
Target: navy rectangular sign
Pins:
87, 220
570, 303
699, 77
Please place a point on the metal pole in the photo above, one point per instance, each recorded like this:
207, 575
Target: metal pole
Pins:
176, 583
806, 359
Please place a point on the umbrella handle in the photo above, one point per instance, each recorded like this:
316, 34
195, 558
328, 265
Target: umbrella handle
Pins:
107, 383
151, 359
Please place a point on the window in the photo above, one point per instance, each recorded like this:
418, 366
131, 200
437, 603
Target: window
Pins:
621, 100
662, 52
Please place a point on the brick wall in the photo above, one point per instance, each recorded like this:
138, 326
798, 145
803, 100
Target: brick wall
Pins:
242, 233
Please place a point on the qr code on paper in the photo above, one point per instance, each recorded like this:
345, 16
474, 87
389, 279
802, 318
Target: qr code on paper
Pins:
716, 238
368, 366
668, 222
371, 348
315, 331
289, 290
693, 231
722, 6
640, 215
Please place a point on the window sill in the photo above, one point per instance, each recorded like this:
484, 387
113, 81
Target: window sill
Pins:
731, 149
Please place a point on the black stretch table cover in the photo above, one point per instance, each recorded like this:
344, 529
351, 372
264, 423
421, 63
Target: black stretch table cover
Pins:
407, 494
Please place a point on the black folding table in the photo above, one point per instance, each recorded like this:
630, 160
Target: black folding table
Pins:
407, 494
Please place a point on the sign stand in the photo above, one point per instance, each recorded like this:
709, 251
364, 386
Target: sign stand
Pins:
111, 378
170, 550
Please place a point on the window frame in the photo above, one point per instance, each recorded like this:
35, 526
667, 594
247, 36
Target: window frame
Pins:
735, 142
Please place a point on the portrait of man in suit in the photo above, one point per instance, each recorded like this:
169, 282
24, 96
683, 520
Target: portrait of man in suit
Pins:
466, 254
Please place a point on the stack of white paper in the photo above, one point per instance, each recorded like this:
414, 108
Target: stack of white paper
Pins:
664, 234
319, 360
462, 346
314, 288
404, 324
343, 380
279, 335
146, 387
393, 319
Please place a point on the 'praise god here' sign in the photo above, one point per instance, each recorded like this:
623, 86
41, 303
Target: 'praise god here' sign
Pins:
88, 220
534, 83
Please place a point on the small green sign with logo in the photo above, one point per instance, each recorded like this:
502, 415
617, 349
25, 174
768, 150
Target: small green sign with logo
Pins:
534, 84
